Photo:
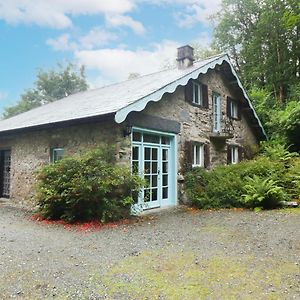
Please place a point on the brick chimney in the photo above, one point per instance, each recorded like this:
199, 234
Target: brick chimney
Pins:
185, 56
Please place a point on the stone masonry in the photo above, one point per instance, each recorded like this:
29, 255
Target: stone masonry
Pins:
32, 149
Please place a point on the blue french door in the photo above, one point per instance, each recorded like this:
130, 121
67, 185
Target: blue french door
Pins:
151, 159
216, 112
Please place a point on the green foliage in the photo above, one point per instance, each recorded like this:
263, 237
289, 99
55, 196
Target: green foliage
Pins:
87, 187
276, 150
258, 45
223, 186
292, 179
263, 192
50, 86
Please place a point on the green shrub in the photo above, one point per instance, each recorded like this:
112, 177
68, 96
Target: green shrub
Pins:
263, 192
276, 150
87, 187
292, 179
223, 186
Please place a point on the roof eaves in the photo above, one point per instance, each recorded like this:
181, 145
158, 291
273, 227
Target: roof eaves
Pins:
140, 104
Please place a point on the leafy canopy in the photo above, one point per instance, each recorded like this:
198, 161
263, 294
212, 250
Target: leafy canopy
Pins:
50, 86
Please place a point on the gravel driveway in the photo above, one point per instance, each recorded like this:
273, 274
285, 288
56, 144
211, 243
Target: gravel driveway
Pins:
176, 254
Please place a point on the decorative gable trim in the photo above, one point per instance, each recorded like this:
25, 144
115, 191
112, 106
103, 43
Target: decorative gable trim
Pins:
156, 96
140, 104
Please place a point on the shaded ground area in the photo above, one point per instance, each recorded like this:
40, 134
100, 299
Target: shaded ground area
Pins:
177, 254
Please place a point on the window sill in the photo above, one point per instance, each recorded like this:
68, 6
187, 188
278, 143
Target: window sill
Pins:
199, 106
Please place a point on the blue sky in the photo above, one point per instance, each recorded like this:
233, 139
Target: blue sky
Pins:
111, 38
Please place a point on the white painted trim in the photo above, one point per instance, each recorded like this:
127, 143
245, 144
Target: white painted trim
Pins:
140, 104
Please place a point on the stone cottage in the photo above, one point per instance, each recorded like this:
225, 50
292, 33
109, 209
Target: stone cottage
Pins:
197, 114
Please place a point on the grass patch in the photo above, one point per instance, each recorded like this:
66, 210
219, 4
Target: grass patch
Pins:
175, 274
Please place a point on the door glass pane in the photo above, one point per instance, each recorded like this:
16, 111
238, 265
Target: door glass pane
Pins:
147, 153
151, 138
165, 167
135, 167
165, 180
147, 167
154, 168
165, 154
154, 195
165, 193
148, 180
137, 136
154, 180
154, 153
146, 195
135, 153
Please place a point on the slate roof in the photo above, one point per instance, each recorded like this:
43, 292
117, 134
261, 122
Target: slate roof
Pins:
119, 99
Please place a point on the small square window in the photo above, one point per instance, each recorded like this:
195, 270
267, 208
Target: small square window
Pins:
197, 93
56, 154
198, 155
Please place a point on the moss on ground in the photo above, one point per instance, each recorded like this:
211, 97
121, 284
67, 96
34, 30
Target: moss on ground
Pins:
170, 274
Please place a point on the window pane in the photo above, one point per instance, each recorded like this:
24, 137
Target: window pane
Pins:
135, 167
154, 167
135, 153
154, 195
165, 167
165, 193
196, 93
137, 136
154, 154
147, 166
148, 180
165, 180
151, 138
147, 152
154, 180
57, 154
165, 154
146, 195
165, 140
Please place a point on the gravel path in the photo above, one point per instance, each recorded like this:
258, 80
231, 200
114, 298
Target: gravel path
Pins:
175, 254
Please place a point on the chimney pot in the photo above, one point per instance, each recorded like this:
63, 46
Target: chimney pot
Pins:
185, 56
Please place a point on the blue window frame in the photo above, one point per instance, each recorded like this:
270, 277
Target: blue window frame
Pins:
56, 154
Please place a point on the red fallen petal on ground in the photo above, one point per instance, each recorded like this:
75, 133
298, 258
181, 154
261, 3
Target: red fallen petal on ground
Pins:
91, 226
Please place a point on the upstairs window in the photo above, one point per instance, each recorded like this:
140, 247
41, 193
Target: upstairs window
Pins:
233, 109
56, 154
197, 93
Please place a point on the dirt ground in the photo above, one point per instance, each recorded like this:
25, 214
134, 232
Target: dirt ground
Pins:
175, 254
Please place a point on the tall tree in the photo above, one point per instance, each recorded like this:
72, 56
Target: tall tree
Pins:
262, 36
50, 86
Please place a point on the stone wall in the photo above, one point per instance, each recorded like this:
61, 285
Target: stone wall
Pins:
31, 150
196, 122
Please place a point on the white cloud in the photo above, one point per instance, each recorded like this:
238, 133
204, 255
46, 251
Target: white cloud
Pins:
121, 20
198, 11
62, 43
56, 13
116, 64
192, 11
96, 37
